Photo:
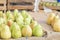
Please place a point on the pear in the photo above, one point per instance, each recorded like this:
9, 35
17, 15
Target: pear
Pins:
15, 13
38, 31
9, 22
50, 18
56, 26
15, 30
25, 14
27, 31
5, 32
56, 18
4, 16
33, 24
19, 21
2, 21
19, 15
47, 4
1, 13
28, 20
9, 15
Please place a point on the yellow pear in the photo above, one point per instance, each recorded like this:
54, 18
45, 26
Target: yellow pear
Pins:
50, 18
33, 24
56, 18
56, 26
26, 31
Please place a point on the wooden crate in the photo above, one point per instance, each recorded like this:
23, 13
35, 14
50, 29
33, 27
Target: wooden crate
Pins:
12, 7
21, 1
3, 5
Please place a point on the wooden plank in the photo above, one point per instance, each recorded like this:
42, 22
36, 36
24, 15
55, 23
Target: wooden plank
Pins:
21, 0
20, 7
2, 8
2, 1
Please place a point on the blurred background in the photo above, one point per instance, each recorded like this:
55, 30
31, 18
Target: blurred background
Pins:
28, 4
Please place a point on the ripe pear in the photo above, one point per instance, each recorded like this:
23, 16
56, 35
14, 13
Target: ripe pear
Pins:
33, 24
27, 31
9, 22
56, 18
5, 32
15, 30
50, 18
56, 26
38, 31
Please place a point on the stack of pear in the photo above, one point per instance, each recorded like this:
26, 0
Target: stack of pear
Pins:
56, 18
54, 21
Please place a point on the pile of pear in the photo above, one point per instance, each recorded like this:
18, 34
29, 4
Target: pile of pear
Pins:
54, 21
18, 24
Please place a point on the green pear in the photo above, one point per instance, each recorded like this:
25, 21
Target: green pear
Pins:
38, 31
5, 32
1, 13
4, 16
15, 30
2, 21
28, 20
15, 13
27, 31
51, 4
24, 14
47, 3
55, 4
9, 15
19, 16
19, 22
